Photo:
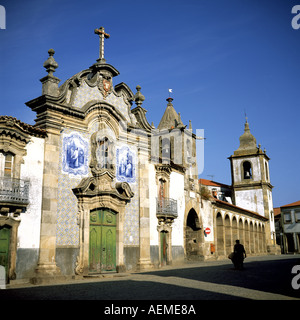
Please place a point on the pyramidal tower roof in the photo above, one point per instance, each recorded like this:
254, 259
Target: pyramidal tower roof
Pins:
247, 142
170, 119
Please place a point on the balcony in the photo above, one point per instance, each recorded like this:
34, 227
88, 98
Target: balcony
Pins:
166, 208
14, 194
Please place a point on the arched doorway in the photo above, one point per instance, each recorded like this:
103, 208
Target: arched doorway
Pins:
260, 247
251, 237
247, 237
228, 245
235, 233
264, 246
256, 242
220, 235
241, 231
193, 236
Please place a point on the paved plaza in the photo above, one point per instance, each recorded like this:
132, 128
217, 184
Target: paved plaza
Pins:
264, 278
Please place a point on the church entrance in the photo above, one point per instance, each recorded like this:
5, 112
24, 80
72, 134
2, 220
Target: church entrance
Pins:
102, 247
4, 248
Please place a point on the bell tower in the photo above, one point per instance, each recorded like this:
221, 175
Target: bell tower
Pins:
252, 189
250, 176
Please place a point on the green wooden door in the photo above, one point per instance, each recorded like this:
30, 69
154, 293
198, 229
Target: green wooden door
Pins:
4, 247
102, 251
163, 248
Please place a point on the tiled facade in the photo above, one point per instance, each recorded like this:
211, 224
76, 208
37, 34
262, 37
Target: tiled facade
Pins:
67, 227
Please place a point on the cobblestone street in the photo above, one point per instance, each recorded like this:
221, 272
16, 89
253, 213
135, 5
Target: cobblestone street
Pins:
264, 278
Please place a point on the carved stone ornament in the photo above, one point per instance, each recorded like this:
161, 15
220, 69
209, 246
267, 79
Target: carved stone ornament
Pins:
99, 192
102, 152
105, 83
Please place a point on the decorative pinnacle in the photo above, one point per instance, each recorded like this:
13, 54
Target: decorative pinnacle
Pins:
102, 35
50, 64
138, 97
170, 101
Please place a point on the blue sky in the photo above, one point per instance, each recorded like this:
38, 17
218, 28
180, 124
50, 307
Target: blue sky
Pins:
221, 58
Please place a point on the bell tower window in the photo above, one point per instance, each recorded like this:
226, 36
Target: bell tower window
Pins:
267, 171
247, 170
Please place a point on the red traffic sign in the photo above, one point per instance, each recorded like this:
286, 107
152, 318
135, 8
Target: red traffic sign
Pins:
207, 230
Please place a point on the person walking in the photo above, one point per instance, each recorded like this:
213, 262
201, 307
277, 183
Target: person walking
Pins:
239, 255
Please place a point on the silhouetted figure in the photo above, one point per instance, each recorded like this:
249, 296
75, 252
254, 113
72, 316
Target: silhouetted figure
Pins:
239, 255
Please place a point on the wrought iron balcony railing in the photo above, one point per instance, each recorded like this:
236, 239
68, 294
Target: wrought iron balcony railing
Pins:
14, 190
166, 207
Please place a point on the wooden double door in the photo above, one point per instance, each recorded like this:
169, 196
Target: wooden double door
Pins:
102, 247
4, 248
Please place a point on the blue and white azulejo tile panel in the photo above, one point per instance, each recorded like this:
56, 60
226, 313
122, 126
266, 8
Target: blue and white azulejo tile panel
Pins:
126, 164
75, 154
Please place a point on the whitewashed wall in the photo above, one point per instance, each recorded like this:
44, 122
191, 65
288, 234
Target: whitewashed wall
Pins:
250, 200
177, 193
152, 206
32, 170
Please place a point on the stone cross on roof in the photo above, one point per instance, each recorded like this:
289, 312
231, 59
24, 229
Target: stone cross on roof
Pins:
102, 35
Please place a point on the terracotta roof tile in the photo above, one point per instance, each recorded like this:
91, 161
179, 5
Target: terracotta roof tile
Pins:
294, 204
211, 183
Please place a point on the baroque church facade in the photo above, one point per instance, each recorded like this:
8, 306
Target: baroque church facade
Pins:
92, 187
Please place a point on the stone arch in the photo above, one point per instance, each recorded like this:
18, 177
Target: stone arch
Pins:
100, 112
247, 236
246, 169
235, 229
264, 247
193, 236
241, 231
228, 235
220, 234
251, 229
256, 238
260, 235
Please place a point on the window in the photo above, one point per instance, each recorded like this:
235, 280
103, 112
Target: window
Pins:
7, 164
287, 218
247, 170
297, 216
162, 189
267, 171
188, 151
166, 149
105, 153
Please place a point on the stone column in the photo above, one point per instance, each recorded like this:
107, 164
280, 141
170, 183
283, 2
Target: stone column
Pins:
46, 264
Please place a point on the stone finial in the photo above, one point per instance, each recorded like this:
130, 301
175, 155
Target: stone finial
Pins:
179, 123
50, 64
50, 82
139, 98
